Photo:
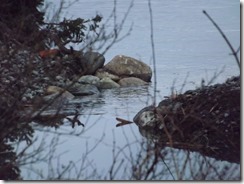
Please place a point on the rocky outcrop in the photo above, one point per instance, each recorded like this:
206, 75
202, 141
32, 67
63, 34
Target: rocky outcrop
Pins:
61, 71
131, 81
124, 66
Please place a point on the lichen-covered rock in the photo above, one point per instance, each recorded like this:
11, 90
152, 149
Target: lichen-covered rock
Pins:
131, 81
125, 66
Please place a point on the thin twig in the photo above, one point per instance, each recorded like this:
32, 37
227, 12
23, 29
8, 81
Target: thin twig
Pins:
162, 158
153, 53
225, 38
122, 122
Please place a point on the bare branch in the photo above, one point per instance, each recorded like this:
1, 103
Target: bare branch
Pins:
225, 38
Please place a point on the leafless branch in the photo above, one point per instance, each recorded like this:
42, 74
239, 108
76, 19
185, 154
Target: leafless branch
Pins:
225, 38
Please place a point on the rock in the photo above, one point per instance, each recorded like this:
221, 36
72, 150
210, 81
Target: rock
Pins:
107, 83
131, 81
83, 89
94, 61
34, 72
147, 118
125, 66
54, 89
59, 78
51, 107
89, 79
65, 96
102, 74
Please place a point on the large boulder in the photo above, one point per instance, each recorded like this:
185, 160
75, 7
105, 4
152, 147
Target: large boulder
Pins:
125, 66
93, 61
131, 81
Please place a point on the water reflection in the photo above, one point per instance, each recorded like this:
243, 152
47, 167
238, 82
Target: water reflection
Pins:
186, 153
67, 149
185, 42
223, 150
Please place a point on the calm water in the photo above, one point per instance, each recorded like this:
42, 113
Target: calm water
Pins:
188, 48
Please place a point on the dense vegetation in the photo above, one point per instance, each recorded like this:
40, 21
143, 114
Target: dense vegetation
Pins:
23, 33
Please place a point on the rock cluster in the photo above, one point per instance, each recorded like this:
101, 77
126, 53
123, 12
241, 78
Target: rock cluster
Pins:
124, 66
121, 71
26, 75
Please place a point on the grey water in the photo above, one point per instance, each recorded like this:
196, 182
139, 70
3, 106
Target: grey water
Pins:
188, 48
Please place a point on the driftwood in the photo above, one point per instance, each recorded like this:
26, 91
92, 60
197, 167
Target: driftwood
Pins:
122, 122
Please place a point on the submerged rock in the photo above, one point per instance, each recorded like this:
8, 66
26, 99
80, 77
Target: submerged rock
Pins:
107, 83
131, 81
83, 89
89, 79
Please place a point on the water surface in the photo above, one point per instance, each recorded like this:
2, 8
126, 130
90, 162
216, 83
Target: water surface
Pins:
188, 48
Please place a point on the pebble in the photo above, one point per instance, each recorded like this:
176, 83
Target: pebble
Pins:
34, 72
6, 81
58, 77
46, 78
24, 99
53, 62
4, 61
